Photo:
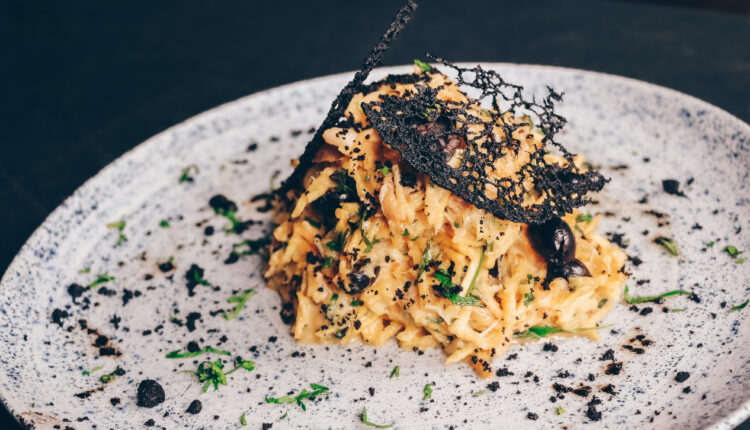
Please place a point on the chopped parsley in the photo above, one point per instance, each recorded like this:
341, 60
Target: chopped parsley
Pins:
711, 244
312, 222
344, 182
733, 252
101, 279
632, 300
243, 420
422, 66
601, 304
559, 410
426, 258
450, 291
164, 223
212, 372
406, 232
362, 218
583, 218
355, 303
363, 416
394, 372
109, 377
739, 307
427, 391
341, 333
327, 262
677, 310
476, 273
669, 244
186, 173
528, 298
179, 354
479, 393
385, 170
86, 270
338, 243
541, 331
120, 226
87, 373
240, 299
252, 247
298, 399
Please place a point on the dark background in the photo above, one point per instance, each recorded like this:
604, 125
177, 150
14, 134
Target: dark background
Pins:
83, 82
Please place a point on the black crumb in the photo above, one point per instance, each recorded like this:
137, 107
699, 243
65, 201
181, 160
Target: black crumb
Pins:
150, 423
609, 355
150, 393
613, 368
114, 401
671, 186
532, 416
591, 412
493, 386
681, 376
551, 347
195, 407
503, 371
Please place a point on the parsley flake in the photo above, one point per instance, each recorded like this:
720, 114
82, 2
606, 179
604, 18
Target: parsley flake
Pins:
179, 354
739, 307
120, 226
427, 391
601, 304
632, 300
212, 372
422, 65
243, 420
186, 175
164, 223
559, 410
394, 372
101, 279
669, 244
240, 299
539, 332
733, 252
298, 399
312, 222
363, 416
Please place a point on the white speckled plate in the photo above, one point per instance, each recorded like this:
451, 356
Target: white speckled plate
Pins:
639, 133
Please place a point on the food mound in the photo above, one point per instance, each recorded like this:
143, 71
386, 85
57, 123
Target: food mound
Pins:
442, 213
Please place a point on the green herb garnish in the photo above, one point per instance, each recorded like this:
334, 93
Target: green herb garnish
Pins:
317, 390
86, 270
476, 273
394, 372
355, 303
427, 391
479, 393
327, 262
363, 416
120, 226
739, 307
185, 176
164, 223
212, 372
584, 218
87, 373
539, 332
633, 300
450, 291
711, 244
385, 170
406, 232
251, 247
178, 354
528, 298
101, 279
338, 243
243, 420
240, 299
669, 244
677, 310
426, 258
312, 222
109, 377
422, 66
559, 410
601, 304
733, 252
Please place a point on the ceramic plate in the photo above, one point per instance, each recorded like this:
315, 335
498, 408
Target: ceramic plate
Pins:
679, 369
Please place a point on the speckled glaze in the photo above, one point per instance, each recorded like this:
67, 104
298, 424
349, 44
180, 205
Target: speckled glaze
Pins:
612, 121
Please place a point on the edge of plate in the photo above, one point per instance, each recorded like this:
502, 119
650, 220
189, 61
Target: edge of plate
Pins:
732, 420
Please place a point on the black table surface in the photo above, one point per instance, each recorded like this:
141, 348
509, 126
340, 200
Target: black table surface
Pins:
83, 82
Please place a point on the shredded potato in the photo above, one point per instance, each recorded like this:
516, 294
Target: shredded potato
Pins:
375, 269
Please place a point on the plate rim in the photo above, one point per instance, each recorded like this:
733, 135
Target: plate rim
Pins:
733, 419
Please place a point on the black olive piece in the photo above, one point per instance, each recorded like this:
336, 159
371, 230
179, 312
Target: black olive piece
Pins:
574, 268
221, 204
553, 240
359, 282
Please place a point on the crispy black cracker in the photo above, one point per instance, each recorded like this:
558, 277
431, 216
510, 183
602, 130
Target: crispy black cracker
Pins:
339, 105
426, 132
